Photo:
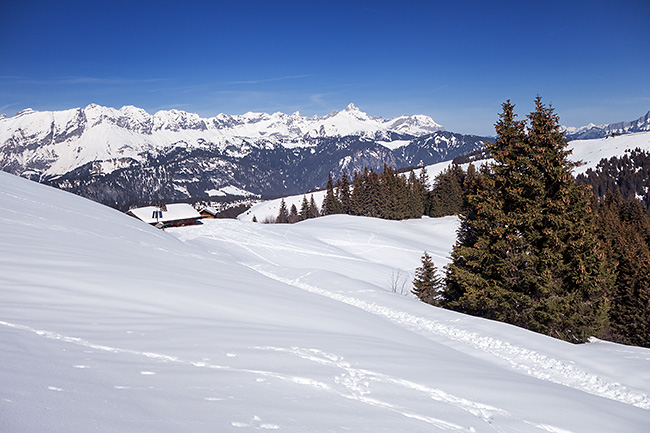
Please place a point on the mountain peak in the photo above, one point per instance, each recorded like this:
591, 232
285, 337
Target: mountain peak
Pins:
24, 112
351, 107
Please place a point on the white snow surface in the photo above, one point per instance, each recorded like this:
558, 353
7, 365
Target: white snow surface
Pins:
589, 152
110, 325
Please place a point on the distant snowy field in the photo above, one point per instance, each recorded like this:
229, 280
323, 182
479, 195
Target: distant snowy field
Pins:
109, 325
590, 152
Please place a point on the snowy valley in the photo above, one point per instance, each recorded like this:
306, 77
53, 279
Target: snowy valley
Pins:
108, 324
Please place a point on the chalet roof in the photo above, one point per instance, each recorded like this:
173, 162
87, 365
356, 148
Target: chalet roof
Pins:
170, 213
209, 209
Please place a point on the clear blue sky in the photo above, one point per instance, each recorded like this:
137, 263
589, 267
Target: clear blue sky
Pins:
455, 61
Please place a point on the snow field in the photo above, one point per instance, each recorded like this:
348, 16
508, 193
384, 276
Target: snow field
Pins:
108, 325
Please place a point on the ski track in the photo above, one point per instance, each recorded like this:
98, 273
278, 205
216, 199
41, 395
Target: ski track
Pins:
528, 361
350, 383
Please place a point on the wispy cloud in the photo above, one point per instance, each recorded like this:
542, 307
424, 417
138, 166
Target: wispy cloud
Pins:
181, 88
6, 106
267, 80
80, 80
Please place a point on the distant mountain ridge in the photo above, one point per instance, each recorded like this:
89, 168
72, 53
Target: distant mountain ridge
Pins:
127, 156
130, 157
642, 124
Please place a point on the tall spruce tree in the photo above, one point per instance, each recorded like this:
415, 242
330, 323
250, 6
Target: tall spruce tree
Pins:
283, 214
447, 193
343, 191
293, 215
414, 194
526, 252
331, 203
304, 209
313, 208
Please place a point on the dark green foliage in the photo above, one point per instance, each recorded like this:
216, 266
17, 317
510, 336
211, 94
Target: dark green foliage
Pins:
387, 195
415, 195
427, 283
308, 209
526, 252
304, 209
624, 227
331, 203
628, 174
293, 215
312, 211
447, 194
283, 214
343, 191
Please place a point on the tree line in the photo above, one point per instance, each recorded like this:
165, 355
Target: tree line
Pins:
388, 195
396, 196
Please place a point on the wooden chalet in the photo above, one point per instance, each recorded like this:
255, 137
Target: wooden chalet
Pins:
170, 215
208, 212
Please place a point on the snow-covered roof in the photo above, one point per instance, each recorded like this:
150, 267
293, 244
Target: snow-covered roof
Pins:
209, 209
168, 213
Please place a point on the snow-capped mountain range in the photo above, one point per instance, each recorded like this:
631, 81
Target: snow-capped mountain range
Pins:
126, 156
642, 124
64, 140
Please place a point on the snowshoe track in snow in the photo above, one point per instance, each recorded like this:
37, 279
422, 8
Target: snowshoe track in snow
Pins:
349, 382
527, 361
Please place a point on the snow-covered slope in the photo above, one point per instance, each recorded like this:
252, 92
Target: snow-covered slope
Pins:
589, 152
107, 324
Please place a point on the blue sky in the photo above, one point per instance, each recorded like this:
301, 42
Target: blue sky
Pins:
455, 61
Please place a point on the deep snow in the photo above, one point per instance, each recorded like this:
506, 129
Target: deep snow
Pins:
109, 325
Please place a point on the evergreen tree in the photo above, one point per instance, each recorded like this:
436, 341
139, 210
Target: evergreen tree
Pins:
415, 204
423, 182
331, 203
447, 194
293, 215
343, 191
304, 209
469, 183
393, 193
526, 252
624, 226
313, 208
427, 283
357, 197
283, 214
